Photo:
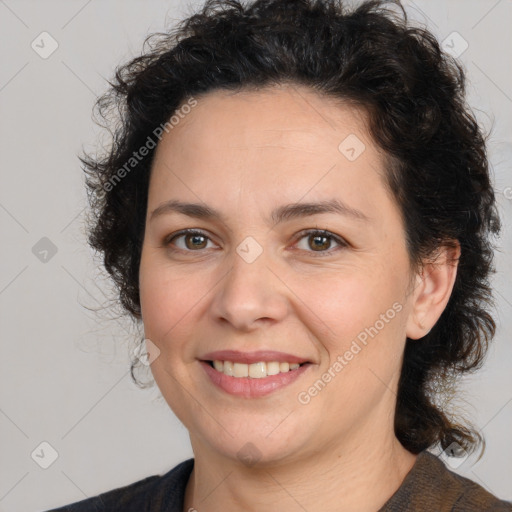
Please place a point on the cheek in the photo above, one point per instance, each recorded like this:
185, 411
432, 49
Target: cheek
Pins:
167, 305
354, 304
360, 326
166, 301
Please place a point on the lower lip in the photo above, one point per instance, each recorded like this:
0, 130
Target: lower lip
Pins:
252, 388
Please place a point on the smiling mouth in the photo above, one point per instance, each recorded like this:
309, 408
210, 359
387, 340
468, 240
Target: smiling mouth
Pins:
258, 370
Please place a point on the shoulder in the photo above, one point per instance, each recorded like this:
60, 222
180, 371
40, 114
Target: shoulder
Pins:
157, 493
468, 495
430, 485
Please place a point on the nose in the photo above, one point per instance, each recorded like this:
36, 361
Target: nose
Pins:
250, 294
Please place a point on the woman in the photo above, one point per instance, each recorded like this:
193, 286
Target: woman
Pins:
297, 208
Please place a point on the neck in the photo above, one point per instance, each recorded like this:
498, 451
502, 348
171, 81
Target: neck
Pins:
359, 479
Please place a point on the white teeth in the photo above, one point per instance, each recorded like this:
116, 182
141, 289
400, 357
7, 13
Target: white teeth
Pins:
258, 370
228, 368
272, 368
240, 370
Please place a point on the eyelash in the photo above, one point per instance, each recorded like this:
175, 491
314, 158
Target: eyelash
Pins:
302, 234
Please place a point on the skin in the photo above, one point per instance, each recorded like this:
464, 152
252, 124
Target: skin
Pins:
245, 154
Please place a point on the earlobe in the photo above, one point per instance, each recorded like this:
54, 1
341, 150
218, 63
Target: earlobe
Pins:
434, 285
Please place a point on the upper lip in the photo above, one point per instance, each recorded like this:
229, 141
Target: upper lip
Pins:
236, 356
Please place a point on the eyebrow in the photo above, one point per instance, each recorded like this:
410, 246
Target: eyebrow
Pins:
279, 215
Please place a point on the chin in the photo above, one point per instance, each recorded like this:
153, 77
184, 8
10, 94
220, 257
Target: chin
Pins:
253, 446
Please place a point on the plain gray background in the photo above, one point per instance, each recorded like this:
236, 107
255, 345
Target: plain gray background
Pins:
64, 369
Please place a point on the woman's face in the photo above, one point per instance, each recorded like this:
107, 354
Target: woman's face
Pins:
258, 281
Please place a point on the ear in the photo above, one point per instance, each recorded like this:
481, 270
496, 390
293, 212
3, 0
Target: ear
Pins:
434, 285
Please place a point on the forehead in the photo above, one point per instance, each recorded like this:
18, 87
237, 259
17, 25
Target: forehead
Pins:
283, 113
262, 147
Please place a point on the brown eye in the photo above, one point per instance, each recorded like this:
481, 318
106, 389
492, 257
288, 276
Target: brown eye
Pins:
320, 241
195, 241
189, 240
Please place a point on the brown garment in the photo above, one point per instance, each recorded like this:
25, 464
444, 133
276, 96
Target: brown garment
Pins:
431, 487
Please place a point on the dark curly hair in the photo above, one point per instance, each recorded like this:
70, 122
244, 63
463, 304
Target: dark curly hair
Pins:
414, 96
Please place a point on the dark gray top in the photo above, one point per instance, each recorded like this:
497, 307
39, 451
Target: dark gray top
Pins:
428, 487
